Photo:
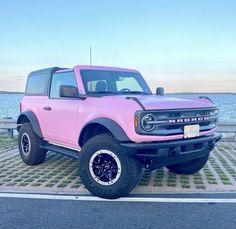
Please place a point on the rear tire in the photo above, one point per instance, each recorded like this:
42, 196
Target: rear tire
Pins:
105, 169
189, 167
29, 146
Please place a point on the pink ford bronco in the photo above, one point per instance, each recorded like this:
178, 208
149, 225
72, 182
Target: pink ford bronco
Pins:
108, 119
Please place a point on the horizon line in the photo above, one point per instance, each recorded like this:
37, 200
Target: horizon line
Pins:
168, 93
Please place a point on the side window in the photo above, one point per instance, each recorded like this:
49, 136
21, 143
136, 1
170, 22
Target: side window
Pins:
58, 79
37, 84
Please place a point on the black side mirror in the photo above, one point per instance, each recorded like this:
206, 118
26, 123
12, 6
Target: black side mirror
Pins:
68, 91
160, 91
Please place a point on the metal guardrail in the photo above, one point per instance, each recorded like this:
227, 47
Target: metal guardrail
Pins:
228, 128
10, 126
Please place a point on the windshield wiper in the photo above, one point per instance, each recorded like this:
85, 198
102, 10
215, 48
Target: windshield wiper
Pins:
102, 92
135, 92
119, 92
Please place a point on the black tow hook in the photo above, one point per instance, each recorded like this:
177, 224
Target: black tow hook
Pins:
172, 151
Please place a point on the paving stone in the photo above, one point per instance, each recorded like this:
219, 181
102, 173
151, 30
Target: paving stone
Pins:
59, 174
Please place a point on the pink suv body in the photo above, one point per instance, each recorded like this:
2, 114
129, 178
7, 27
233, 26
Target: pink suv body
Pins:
67, 117
67, 107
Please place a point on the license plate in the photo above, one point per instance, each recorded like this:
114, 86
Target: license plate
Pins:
191, 131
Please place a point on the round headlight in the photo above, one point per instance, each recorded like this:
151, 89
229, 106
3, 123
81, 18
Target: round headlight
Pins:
214, 112
146, 122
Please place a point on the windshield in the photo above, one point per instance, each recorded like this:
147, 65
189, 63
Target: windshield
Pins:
113, 82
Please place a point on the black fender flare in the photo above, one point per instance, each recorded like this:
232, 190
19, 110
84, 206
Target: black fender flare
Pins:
115, 129
33, 121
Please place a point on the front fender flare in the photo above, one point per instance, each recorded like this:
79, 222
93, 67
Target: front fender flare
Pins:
115, 129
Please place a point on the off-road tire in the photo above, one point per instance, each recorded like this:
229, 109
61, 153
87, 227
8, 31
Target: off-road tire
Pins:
36, 155
189, 167
131, 168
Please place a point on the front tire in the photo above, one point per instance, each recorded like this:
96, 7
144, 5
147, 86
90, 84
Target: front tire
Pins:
105, 169
189, 167
29, 146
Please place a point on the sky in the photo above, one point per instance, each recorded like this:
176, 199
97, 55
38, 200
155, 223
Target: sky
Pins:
184, 45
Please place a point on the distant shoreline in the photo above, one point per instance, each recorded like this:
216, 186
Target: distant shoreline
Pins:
176, 93
11, 92
171, 93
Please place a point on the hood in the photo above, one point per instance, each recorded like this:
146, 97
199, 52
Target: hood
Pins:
153, 102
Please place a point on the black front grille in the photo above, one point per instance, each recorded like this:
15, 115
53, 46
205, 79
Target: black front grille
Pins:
172, 122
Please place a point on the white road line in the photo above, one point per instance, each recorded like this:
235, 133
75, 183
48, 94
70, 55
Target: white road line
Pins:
124, 199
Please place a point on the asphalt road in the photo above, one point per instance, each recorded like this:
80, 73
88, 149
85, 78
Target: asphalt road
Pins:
58, 214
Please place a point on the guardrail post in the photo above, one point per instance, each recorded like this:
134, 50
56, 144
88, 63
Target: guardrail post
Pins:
10, 133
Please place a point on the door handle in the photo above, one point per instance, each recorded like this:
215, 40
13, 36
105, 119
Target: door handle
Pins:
47, 108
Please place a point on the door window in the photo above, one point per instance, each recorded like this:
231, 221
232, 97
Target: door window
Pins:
58, 79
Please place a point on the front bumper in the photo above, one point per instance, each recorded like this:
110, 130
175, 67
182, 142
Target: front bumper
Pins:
173, 152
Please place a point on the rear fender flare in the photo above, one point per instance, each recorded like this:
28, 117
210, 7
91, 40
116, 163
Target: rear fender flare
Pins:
29, 115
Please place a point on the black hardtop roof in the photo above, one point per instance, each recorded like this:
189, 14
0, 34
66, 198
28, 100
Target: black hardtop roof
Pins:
46, 71
44, 74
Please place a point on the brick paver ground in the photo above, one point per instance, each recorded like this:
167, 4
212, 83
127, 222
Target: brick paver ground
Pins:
59, 174
7, 144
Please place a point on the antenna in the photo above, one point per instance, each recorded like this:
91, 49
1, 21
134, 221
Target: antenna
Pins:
90, 55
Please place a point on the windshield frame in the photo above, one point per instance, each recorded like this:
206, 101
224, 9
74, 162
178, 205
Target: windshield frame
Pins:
136, 75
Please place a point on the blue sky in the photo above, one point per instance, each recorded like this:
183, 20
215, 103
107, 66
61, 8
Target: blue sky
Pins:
181, 45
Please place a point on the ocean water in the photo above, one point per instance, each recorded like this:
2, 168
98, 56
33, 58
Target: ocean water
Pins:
225, 102
9, 104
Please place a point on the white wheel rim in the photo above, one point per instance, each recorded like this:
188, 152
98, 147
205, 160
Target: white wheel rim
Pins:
105, 167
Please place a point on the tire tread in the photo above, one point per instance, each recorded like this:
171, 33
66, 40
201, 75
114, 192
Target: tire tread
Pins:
126, 186
37, 155
190, 167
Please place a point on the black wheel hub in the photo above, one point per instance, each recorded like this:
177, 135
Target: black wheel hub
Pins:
104, 167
